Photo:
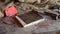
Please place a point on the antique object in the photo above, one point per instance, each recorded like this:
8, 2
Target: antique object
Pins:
30, 18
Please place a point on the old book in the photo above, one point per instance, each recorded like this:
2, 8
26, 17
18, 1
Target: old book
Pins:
29, 18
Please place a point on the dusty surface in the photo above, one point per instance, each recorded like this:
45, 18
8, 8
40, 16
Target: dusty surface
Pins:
10, 29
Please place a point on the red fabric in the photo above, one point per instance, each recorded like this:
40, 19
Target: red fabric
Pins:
11, 11
43, 24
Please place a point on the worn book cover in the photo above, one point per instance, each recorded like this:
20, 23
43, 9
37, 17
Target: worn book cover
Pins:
29, 18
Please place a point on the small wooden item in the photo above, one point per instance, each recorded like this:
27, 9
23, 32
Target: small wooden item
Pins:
30, 18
